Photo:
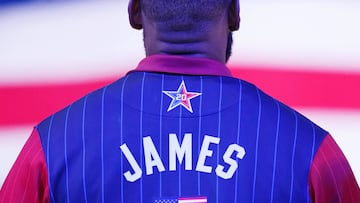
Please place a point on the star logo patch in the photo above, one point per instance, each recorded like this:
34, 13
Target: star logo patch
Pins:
181, 97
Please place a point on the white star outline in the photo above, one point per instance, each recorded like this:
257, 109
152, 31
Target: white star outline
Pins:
181, 97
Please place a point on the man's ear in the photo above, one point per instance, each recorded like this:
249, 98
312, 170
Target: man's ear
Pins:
134, 10
234, 15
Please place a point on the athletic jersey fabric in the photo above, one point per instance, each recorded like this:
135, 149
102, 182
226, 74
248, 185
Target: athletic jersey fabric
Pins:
179, 129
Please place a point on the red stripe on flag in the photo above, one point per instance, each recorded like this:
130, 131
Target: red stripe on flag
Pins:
305, 88
32, 103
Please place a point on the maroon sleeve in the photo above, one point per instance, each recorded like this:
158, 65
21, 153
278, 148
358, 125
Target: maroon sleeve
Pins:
27, 181
331, 178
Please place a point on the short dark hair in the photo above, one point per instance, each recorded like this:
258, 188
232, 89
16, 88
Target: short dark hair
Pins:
182, 12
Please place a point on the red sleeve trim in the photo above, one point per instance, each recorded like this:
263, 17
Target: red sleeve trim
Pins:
331, 178
27, 181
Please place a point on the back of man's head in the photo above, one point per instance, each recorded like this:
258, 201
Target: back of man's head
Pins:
199, 28
181, 13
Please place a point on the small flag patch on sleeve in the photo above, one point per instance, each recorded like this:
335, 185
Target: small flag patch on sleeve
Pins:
182, 200
192, 200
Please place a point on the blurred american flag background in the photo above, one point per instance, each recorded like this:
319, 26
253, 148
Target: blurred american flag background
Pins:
305, 53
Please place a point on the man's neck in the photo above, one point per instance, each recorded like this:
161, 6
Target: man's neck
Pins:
209, 41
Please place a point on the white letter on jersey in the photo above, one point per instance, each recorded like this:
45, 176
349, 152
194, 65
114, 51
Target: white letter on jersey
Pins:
176, 151
135, 166
205, 152
152, 157
233, 163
